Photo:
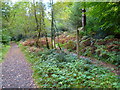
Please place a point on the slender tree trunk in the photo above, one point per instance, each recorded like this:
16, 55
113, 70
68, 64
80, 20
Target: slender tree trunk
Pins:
40, 27
52, 36
58, 36
47, 44
52, 27
37, 25
83, 18
77, 37
59, 43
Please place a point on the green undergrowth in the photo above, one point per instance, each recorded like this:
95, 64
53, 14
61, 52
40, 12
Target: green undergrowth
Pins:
113, 57
3, 50
56, 69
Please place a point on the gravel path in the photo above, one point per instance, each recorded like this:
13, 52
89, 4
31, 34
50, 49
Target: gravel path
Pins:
16, 72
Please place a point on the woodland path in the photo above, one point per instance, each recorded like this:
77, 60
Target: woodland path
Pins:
16, 72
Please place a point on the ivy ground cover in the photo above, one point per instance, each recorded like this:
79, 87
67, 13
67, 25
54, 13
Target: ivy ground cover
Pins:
56, 69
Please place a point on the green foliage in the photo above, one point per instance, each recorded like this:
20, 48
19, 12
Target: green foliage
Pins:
70, 45
5, 36
106, 50
5, 11
109, 37
104, 19
108, 53
60, 70
110, 57
3, 50
87, 52
76, 14
18, 19
61, 15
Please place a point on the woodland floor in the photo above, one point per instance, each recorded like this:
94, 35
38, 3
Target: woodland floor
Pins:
111, 67
16, 72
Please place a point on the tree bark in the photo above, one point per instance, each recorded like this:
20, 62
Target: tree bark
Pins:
37, 25
47, 44
77, 37
83, 18
52, 27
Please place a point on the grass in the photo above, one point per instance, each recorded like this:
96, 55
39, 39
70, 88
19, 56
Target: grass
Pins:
3, 50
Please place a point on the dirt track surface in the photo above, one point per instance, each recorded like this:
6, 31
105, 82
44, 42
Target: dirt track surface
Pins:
16, 72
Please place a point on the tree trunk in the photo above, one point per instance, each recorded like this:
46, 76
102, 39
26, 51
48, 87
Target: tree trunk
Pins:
83, 18
47, 44
77, 37
37, 25
57, 36
52, 27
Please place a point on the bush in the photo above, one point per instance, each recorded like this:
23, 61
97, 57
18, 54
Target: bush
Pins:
5, 39
5, 36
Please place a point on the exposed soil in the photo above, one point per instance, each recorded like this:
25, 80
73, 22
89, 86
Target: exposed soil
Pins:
16, 72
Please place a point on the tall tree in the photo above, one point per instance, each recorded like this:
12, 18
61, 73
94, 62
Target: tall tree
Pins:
52, 26
43, 23
37, 23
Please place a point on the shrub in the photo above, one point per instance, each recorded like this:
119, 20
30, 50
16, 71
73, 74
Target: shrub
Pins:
5, 39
